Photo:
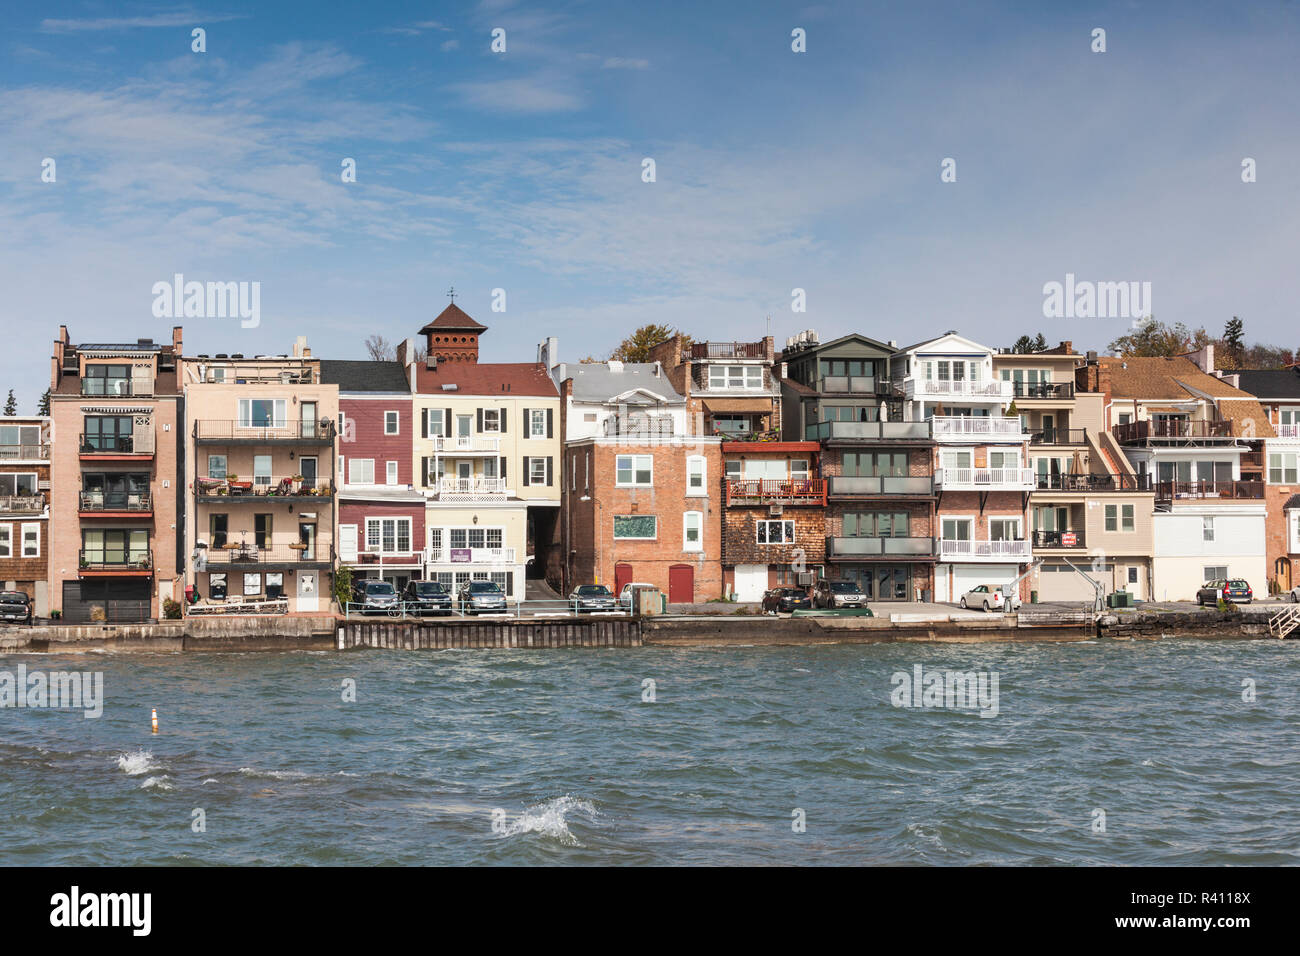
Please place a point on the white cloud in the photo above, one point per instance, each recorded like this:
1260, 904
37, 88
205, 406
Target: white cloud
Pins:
157, 20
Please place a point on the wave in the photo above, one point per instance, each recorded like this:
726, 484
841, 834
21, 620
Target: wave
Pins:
550, 819
134, 764
158, 783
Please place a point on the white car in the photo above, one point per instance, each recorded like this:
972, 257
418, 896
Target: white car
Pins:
625, 595
990, 598
1294, 594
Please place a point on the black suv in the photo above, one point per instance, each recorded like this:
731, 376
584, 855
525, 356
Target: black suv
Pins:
15, 606
427, 597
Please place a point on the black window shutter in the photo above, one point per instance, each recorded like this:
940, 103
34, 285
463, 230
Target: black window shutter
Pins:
527, 471
501, 417
503, 469
446, 425
480, 419
424, 423
549, 419
510, 582
526, 433
549, 460
424, 474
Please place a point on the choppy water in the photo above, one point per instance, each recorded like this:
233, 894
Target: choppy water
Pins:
1155, 734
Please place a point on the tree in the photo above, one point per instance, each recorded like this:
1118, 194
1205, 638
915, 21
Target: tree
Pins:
636, 347
1040, 343
381, 350
1027, 346
44, 407
1153, 338
11, 405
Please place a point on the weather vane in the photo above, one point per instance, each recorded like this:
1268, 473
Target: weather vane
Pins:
451, 294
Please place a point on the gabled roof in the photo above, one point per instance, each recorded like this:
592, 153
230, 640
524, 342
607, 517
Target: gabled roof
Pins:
790, 354
453, 318
1179, 379
1271, 383
597, 382
970, 344
1292, 503
496, 379
364, 376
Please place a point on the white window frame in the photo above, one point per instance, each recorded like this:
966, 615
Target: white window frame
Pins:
697, 466
492, 427
397, 522
763, 534
30, 526
352, 471
397, 422
436, 426
255, 577
279, 412
6, 540
537, 470
693, 520
1207, 528
634, 467
537, 423
390, 472
225, 466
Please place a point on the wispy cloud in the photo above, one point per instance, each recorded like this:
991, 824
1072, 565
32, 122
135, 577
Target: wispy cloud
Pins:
178, 19
535, 94
624, 63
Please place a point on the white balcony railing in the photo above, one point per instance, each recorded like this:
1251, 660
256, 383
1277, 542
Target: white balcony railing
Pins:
991, 427
442, 555
466, 443
471, 489
976, 388
984, 550
1287, 431
984, 479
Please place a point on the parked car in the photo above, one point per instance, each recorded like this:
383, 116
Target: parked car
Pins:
786, 599
15, 606
1295, 594
475, 597
1233, 590
592, 597
427, 597
625, 595
991, 597
375, 596
829, 594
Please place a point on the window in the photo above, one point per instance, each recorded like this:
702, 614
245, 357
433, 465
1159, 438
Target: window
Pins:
262, 470
361, 471
693, 531
1282, 468
893, 464
115, 546
216, 466
107, 380
695, 476
18, 484
1132, 575
1004, 529
775, 532
1216, 572
537, 471
735, 376
262, 413
1126, 516
262, 531
537, 423
6, 541
491, 420
437, 427
1207, 529
252, 583
217, 528
390, 535
635, 527
573, 473
390, 423
31, 540
391, 474
634, 470
274, 585
876, 524
1125, 418
109, 432
1120, 518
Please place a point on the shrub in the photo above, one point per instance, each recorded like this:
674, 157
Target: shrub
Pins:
171, 609
343, 586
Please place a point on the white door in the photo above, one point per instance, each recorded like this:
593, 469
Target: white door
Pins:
308, 598
347, 543
751, 582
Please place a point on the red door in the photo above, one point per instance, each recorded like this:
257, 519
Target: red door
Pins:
622, 576
681, 584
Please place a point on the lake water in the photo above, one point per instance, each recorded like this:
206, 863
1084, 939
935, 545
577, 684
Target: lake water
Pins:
501, 757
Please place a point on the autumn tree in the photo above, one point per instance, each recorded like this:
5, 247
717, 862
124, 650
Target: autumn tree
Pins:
1154, 338
636, 347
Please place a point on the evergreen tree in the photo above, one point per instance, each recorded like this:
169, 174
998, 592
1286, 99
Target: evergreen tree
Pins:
44, 407
11, 405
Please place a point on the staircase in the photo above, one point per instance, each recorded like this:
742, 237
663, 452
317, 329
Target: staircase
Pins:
1284, 621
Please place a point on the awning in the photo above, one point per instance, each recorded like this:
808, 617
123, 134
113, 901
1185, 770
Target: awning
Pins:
754, 406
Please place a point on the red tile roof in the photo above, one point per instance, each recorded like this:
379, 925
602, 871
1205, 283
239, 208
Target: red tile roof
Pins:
485, 378
453, 317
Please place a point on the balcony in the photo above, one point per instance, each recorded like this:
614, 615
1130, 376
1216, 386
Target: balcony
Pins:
474, 556
107, 563
868, 431
466, 445
389, 559
1173, 432
1287, 431
27, 452
1008, 549
875, 486
115, 504
22, 504
977, 428
762, 491
138, 445
855, 384
640, 427
1062, 391
858, 548
727, 350
1069, 540
471, 489
260, 488
1091, 483
1059, 436
1168, 491
984, 479
117, 388
976, 389
219, 432
243, 554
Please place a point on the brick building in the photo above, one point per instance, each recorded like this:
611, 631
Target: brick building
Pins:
25, 509
739, 394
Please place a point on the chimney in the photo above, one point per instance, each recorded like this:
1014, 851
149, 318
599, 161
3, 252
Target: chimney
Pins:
1067, 348
769, 347
176, 339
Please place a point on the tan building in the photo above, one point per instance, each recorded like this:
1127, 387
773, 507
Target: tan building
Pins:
24, 509
116, 477
261, 521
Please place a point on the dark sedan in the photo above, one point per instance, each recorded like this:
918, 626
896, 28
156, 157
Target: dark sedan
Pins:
592, 597
1232, 591
427, 597
786, 599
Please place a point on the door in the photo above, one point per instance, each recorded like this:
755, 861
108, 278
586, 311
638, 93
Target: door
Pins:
622, 576
307, 536
347, 542
751, 582
681, 584
308, 599
309, 424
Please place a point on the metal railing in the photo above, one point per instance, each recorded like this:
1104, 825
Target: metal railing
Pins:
111, 560
639, 426
110, 445
284, 431
262, 486
1055, 390
22, 504
140, 501
26, 452
1058, 539
1171, 490
244, 553
466, 443
776, 491
841, 547
117, 387
983, 426
728, 350
984, 479
1171, 430
414, 610
849, 485
868, 431
1059, 436
1062, 482
1006, 549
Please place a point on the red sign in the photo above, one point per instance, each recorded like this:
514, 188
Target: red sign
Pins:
1068, 539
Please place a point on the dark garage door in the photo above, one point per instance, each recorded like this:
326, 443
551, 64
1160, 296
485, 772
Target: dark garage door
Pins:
123, 600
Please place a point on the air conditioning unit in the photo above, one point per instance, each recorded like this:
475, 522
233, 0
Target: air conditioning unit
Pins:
775, 509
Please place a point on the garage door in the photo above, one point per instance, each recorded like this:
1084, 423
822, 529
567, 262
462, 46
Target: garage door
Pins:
751, 581
1060, 583
106, 600
967, 576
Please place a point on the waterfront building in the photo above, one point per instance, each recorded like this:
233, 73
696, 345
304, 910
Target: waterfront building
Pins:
117, 479
486, 443
740, 397
261, 515
381, 513
25, 508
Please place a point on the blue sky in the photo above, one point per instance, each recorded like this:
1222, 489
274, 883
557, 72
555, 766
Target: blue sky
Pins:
522, 170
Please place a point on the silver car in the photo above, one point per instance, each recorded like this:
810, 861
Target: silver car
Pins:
475, 597
831, 594
991, 597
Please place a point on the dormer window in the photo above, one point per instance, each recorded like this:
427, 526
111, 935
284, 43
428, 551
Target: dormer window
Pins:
106, 380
